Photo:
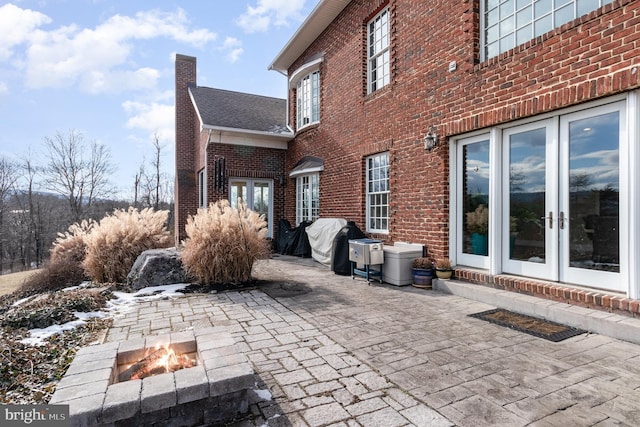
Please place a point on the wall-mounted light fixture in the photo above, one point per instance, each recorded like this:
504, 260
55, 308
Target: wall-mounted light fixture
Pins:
281, 180
431, 139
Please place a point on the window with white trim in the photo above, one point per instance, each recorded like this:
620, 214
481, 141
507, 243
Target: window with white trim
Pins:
378, 193
378, 41
307, 197
202, 194
308, 100
509, 23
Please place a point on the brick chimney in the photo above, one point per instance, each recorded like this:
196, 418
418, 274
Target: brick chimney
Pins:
185, 192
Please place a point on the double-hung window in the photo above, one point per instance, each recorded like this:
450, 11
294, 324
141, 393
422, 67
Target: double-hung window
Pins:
378, 41
509, 23
308, 100
307, 197
378, 193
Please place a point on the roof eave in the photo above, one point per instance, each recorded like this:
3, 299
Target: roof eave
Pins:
286, 136
318, 20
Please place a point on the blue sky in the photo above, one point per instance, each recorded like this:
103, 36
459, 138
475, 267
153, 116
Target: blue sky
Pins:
105, 67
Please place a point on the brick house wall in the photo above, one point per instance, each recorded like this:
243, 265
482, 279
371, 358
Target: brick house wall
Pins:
251, 163
589, 58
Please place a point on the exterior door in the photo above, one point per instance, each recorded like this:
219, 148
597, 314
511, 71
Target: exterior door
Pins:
530, 200
561, 216
590, 218
256, 194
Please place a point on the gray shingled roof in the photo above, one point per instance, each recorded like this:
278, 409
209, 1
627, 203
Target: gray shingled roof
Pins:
243, 111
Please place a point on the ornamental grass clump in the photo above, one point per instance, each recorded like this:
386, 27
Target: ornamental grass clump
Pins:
65, 264
223, 243
70, 245
115, 243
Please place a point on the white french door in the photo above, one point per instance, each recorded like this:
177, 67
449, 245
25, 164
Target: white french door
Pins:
256, 194
592, 221
530, 200
561, 207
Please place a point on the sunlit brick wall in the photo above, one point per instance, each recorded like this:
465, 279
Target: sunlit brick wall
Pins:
591, 57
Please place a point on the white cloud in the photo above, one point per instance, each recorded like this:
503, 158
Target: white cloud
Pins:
4, 89
17, 26
270, 12
153, 117
234, 49
99, 59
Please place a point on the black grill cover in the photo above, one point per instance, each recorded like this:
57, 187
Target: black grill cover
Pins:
340, 263
293, 241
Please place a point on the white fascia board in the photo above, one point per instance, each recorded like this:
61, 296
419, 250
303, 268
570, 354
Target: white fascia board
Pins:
195, 107
252, 138
306, 171
318, 20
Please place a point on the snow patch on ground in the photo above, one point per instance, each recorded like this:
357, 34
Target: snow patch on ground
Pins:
263, 394
122, 303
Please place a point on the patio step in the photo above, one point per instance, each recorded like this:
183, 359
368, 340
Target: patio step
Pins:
597, 321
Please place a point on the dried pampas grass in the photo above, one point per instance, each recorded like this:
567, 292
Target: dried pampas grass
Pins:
115, 243
65, 264
223, 243
70, 245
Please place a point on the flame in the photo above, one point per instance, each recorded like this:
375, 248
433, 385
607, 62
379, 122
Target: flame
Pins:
163, 359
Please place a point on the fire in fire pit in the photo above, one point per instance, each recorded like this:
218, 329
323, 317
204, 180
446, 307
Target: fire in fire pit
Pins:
158, 360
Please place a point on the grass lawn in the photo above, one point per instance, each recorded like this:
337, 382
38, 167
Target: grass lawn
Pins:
10, 282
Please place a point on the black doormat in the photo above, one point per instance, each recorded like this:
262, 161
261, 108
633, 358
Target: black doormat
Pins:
530, 325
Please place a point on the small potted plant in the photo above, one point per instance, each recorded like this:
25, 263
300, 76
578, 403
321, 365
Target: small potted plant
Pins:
422, 272
443, 268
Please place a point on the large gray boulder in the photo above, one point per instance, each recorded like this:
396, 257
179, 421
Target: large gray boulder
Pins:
156, 267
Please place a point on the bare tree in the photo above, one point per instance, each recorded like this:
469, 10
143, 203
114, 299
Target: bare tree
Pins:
152, 189
137, 189
35, 210
77, 172
156, 167
7, 181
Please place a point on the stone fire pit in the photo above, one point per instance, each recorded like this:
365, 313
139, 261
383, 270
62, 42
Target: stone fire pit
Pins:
215, 390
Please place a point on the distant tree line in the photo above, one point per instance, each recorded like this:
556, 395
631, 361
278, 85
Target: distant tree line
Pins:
41, 197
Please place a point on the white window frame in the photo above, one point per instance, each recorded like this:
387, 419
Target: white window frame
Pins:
378, 51
307, 190
377, 174
456, 207
507, 24
202, 189
629, 274
308, 100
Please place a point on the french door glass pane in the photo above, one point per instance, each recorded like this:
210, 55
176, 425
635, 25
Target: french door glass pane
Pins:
475, 205
527, 195
261, 199
238, 193
594, 195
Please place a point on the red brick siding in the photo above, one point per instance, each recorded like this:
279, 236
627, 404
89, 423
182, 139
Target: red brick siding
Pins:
248, 162
589, 58
186, 196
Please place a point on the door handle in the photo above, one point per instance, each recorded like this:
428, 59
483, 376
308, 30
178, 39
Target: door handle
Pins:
550, 218
561, 220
